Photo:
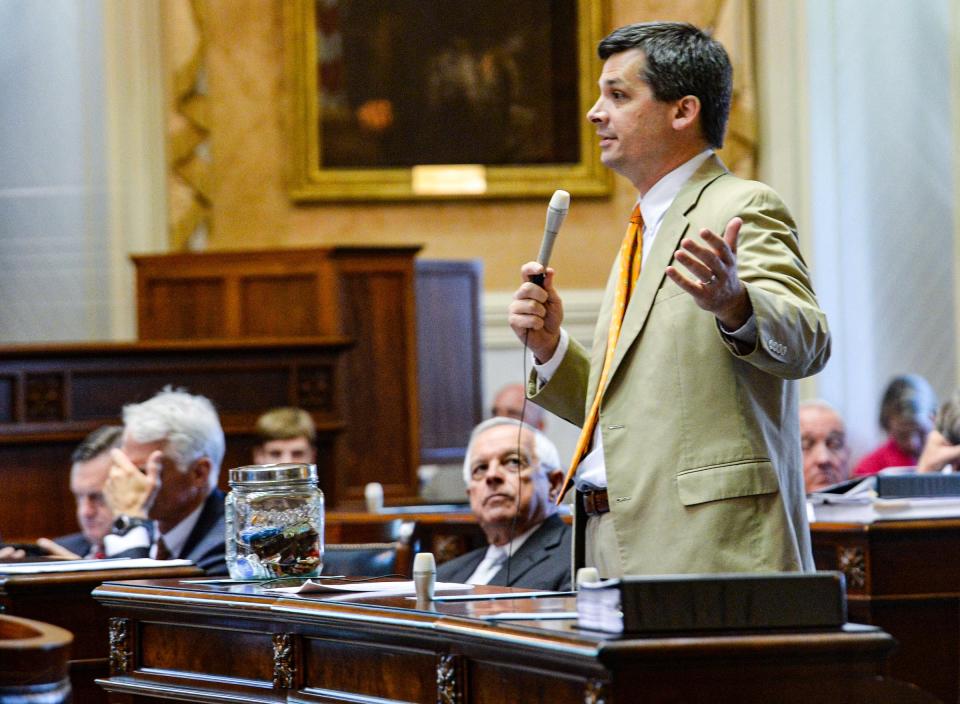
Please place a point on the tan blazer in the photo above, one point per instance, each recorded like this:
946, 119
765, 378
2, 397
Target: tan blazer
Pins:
701, 440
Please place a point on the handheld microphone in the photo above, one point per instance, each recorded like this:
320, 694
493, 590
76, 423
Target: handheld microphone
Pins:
556, 212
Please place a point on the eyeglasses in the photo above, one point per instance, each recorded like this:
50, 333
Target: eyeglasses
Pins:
511, 464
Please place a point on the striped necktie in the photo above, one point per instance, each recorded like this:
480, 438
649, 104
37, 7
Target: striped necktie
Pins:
631, 257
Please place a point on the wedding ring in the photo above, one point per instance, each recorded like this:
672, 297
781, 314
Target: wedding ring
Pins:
710, 281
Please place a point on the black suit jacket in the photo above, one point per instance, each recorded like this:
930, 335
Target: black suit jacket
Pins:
75, 543
542, 562
205, 546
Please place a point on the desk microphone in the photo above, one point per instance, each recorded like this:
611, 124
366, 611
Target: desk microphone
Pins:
556, 212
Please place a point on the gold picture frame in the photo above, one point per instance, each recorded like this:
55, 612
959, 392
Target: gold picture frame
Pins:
445, 132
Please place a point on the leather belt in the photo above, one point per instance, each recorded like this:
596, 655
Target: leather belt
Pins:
595, 503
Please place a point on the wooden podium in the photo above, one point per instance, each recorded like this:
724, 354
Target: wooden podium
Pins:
187, 642
903, 576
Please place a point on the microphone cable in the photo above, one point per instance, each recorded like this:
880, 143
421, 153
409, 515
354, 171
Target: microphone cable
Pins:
523, 411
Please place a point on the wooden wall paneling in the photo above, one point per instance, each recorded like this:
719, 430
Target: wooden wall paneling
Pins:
285, 315
8, 398
84, 386
276, 293
449, 352
36, 499
164, 311
365, 293
378, 311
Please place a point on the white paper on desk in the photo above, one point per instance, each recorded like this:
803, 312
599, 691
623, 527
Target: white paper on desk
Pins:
391, 588
87, 565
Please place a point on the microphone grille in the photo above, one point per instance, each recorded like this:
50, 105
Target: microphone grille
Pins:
560, 200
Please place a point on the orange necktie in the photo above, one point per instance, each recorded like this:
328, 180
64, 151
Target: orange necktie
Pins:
631, 257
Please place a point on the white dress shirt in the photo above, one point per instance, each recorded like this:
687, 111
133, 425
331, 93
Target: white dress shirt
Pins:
177, 537
139, 537
496, 557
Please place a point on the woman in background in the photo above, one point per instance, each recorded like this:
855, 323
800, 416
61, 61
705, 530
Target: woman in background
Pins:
906, 414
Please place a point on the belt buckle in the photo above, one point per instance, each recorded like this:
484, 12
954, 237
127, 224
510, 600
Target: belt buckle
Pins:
589, 502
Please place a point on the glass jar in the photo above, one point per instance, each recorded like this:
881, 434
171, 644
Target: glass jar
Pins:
274, 522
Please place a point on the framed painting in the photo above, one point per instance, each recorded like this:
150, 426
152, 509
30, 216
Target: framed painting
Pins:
427, 99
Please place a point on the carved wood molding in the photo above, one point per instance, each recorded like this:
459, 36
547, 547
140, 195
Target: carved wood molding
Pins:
121, 649
44, 397
315, 387
853, 564
595, 692
284, 661
449, 679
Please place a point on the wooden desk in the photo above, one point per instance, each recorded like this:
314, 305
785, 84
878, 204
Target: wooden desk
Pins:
903, 576
171, 641
63, 599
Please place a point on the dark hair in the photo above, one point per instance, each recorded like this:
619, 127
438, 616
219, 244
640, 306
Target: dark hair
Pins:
907, 395
96, 443
948, 419
681, 60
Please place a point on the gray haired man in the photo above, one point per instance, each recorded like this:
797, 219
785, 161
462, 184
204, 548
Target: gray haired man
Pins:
513, 475
162, 487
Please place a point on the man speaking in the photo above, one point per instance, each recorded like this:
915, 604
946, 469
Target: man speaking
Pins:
689, 459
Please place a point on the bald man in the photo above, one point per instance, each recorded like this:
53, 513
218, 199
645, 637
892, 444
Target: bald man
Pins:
823, 438
508, 403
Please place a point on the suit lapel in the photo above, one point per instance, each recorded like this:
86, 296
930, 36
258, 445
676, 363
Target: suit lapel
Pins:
212, 510
533, 551
672, 230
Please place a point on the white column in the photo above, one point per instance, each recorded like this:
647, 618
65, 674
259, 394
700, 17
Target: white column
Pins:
135, 107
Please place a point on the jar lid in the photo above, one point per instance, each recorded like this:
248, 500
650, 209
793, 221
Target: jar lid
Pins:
273, 474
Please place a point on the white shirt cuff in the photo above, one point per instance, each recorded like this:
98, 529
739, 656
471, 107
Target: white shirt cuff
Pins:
549, 368
134, 538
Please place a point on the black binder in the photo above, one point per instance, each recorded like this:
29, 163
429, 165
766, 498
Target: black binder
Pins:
904, 486
713, 602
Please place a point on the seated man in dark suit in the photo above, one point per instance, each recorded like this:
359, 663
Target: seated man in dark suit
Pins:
91, 464
162, 487
513, 474
88, 473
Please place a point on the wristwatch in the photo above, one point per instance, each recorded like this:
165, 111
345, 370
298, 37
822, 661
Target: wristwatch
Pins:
124, 524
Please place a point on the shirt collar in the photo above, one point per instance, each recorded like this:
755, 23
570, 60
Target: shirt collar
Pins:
177, 537
501, 551
655, 203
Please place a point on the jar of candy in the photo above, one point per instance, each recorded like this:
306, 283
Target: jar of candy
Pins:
274, 522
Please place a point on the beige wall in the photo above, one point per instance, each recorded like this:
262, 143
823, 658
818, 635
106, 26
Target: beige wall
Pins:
248, 109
